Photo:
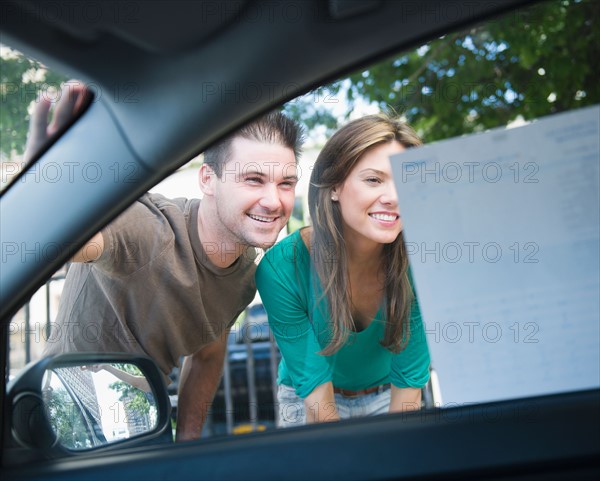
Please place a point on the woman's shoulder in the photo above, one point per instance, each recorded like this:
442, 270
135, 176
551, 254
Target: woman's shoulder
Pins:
305, 234
298, 240
291, 250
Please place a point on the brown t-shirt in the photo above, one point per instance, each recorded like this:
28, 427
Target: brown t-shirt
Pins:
153, 290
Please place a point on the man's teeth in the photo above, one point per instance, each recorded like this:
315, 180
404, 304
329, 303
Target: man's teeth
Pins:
384, 217
261, 218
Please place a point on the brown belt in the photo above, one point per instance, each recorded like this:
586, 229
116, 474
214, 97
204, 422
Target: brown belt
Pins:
362, 392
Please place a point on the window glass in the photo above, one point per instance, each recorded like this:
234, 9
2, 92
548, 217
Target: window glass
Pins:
521, 66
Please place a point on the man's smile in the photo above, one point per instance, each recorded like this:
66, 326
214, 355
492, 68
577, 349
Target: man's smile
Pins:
262, 218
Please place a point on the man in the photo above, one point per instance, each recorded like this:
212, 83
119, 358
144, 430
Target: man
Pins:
168, 278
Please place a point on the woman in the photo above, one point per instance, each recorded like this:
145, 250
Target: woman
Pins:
339, 294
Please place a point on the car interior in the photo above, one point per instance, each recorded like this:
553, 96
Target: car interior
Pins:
168, 79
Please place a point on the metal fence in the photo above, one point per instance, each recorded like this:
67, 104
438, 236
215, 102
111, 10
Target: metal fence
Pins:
255, 420
26, 329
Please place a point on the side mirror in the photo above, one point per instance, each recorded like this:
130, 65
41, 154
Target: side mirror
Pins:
73, 403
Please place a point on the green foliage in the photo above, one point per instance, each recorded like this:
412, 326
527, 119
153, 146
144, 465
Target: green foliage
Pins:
314, 109
67, 420
532, 62
134, 398
20, 81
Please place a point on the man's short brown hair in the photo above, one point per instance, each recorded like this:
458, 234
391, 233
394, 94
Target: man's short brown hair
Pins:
272, 128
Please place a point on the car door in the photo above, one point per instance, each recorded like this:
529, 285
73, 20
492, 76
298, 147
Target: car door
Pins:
145, 121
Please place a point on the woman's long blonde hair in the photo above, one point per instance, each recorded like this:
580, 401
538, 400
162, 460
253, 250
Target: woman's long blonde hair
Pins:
328, 250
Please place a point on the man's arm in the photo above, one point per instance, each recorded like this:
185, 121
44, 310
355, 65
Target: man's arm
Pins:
138, 382
91, 250
320, 405
73, 97
405, 399
200, 376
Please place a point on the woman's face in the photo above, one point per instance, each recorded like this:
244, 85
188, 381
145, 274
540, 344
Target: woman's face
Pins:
368, 199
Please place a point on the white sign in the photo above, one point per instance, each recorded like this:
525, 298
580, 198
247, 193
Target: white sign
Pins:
502, 229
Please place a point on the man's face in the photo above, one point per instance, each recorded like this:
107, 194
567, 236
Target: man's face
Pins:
255, 194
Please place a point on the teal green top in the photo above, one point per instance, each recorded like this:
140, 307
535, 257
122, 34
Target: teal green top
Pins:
301, 330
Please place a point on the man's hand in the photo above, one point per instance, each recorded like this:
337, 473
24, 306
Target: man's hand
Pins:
200, 377
74, 96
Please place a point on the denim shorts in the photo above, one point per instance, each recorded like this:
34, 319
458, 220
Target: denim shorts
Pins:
292, 412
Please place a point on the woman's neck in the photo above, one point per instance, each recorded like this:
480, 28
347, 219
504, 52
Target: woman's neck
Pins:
364, 258
367, 279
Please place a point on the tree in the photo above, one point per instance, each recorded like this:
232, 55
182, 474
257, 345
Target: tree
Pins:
66, 420
313, 109
536, 61
135, 400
